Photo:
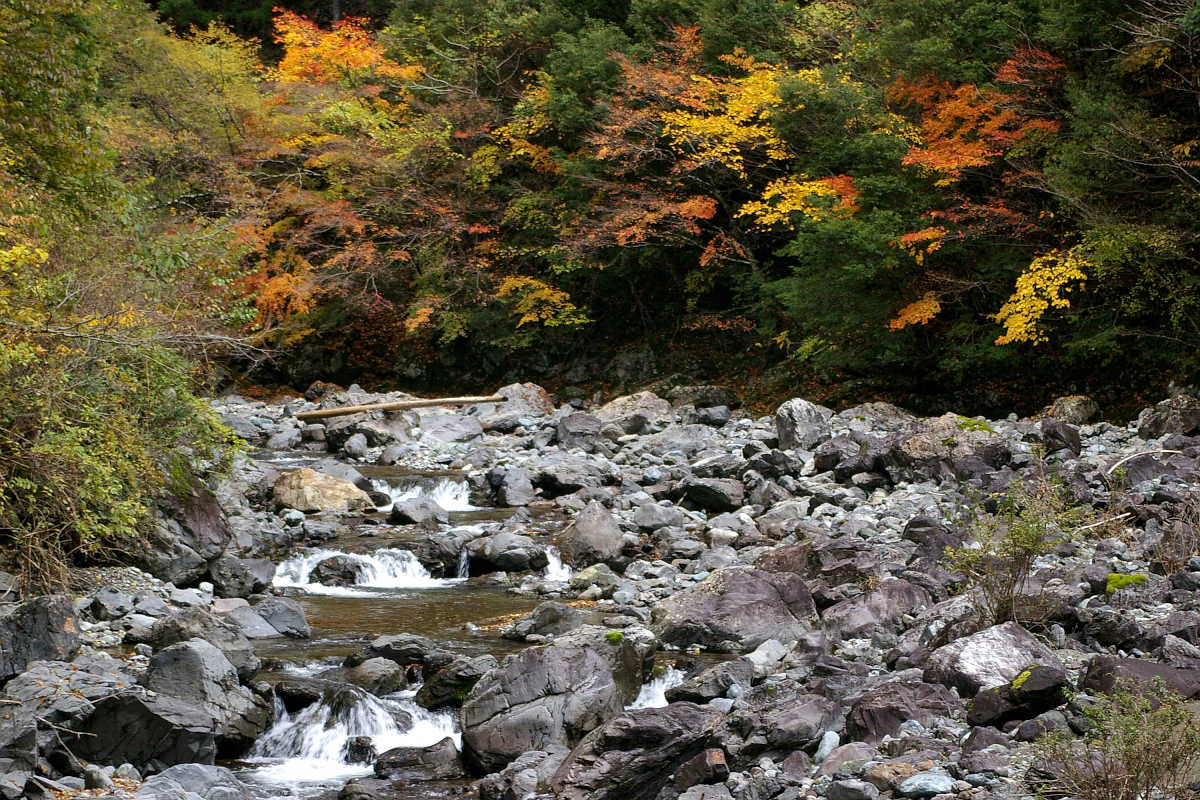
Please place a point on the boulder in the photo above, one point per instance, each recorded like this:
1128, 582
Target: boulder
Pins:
633, 413
451, 684
736, 609
592, 537
379, 676
150, 732
529, 774
879, 609
629, 652
436, 762
194, 782
779, 721
196, 623
340, 570
284, 615
308, 490
44, 628
516, 488
109, 604
632, 756
802, 425
1104, 674
1178, 415
403, 648
199, 674
240, 577
505, 552
714, 682
446, 427
714, 494
548, 619
542, 697
880, 711
1058, 435
578, 430
992, 657
1034, 691
1076, 409
422, 510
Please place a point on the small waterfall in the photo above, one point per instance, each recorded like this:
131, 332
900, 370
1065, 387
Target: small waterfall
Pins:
464, 564
556, 570
654, 693
309, 746
384, 568
450, 494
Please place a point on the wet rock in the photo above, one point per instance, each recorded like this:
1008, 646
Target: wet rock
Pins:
542, 697
715, 681
196, 623
736, 609
198, 673
548, 619
308, 490
379, 676
632, 756
192, 781
505, 552
802, 425
240, 577
359, 750
992, 657
44, 628
403, 648
451, 684
418, 511
439, 761
285, 615
880, 712
592, 537
337, 571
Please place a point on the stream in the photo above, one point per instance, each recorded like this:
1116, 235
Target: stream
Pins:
304, 754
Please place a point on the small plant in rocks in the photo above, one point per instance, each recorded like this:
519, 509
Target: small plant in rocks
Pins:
1142, 743
997, 560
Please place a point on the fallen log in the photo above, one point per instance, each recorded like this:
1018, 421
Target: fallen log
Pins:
398, 405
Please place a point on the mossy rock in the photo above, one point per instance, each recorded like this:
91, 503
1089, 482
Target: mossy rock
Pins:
1118, 581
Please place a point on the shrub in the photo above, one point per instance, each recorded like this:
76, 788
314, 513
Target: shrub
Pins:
998, 558
1143, 742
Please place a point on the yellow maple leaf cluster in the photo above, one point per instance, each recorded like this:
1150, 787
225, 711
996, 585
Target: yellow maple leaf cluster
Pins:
1039, 289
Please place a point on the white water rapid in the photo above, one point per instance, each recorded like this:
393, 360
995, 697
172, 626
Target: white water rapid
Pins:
384, 568
556, 570
309, 747
450, 494
654, 693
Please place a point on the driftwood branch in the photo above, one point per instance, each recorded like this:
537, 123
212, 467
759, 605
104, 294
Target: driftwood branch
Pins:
399, 405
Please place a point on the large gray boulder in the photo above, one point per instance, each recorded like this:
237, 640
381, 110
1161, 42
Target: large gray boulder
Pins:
150, 732
196, 623
629, 652
592, 537
632, 756
802, 425
633, 413
879, 609
506, 552
44, 628
779, 721
881, 711
736, 609
308, 490
195, 782
198, 673
542, 697
992, 657
529, 774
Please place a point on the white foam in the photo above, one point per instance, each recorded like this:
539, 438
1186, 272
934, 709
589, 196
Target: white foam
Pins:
385, 568
556, 570
654, 693
450, 494
309, 746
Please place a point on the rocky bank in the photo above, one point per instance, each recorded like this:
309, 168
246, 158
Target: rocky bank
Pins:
750, 608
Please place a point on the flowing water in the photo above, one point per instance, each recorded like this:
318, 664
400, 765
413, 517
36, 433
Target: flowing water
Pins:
304, 754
